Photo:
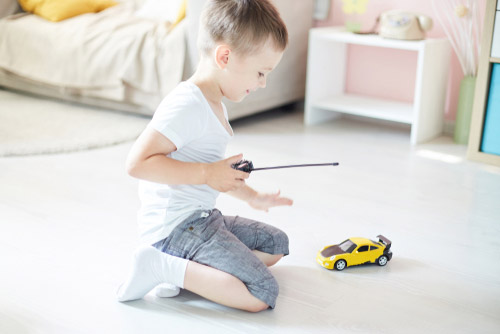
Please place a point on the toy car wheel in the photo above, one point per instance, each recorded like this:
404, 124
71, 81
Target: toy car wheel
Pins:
382, 261
340, 265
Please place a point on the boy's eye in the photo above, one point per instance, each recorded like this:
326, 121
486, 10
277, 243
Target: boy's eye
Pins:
261, 74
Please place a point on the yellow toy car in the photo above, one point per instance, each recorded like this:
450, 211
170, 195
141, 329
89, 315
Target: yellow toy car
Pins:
355, 251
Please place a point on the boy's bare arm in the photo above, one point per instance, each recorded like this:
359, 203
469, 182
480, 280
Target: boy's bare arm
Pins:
260, 201
245, 193
148, 160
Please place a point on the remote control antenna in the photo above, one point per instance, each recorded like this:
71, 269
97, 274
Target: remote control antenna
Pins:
292, 166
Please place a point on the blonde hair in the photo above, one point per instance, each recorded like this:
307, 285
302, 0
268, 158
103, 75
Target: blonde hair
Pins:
245, 25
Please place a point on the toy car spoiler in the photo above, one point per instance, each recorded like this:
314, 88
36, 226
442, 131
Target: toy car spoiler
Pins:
385, 241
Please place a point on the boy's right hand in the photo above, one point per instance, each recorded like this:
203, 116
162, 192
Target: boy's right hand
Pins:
222, 177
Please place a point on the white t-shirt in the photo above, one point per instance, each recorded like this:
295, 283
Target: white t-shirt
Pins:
185, 118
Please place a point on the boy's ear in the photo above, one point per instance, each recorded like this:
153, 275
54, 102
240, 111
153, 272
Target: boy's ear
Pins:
222, 53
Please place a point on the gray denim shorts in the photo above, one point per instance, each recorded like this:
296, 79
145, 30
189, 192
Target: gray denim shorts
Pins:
226, 243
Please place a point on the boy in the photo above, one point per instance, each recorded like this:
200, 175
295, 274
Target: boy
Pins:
180, 159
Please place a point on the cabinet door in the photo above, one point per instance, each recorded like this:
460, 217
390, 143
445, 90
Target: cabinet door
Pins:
491, 132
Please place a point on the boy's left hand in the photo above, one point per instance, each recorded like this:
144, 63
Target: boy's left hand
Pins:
265, 201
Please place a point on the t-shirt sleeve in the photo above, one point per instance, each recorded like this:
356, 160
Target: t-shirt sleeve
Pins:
181, 120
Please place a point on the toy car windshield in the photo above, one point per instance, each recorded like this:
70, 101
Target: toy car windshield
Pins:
345, 247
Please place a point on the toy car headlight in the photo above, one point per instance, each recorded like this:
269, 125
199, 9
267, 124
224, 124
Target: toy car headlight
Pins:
332, 258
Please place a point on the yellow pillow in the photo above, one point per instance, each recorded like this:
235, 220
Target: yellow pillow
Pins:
58, 10
182, 13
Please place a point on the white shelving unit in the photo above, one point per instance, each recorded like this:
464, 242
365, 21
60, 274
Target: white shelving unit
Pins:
489, 57
326, 73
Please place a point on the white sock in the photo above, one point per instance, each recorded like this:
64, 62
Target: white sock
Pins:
150, 268
166, 290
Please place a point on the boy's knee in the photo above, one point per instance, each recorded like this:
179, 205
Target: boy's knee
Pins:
281, 242
266, 291
273, 288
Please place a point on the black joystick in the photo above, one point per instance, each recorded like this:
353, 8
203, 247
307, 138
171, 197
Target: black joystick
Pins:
247, 166
244, 166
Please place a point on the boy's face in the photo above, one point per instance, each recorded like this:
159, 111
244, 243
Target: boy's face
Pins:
245, 74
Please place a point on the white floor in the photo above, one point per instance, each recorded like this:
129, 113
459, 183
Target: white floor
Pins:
67, 232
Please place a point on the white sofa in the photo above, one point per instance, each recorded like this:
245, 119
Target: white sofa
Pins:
115, 60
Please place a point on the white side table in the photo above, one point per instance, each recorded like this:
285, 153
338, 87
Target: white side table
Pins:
326, 73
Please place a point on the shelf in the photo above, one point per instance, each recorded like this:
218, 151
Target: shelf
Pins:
343, 36
367, 106
483, 86
326, 94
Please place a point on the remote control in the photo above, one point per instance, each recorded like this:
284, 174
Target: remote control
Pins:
247, 166
243, 165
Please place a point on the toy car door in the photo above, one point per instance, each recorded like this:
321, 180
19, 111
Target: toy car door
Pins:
361, 255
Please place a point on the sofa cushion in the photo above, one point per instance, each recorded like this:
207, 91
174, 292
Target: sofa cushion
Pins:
108, 52
58, 10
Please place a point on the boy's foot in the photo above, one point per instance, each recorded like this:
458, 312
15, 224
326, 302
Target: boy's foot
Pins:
151, 267
166, 290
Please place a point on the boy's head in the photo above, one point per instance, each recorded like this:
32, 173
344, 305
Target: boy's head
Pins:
244, 25
246, 38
